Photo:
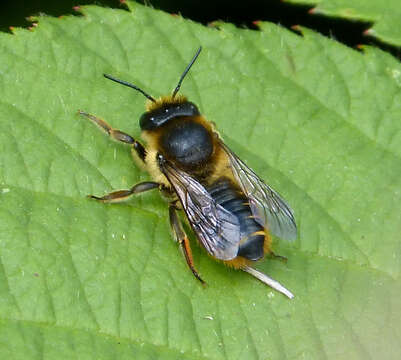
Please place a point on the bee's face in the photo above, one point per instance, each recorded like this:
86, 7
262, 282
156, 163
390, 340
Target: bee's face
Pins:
160, 115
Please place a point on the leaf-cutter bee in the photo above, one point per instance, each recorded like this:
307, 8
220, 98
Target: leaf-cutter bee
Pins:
230, 209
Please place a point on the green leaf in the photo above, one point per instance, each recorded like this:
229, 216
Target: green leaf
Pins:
385, 15
317, 120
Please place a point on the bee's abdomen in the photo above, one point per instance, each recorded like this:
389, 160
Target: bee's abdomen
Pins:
226, 194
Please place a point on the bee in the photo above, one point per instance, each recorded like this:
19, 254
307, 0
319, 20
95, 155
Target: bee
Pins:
229, 208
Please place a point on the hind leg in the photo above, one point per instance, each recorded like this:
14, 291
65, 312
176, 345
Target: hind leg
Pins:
182, 240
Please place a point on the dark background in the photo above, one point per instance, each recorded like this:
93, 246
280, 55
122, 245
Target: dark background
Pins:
242, 14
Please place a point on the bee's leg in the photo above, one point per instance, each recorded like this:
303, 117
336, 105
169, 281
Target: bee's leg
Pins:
182, 240
121, 195
117, 134
274, 284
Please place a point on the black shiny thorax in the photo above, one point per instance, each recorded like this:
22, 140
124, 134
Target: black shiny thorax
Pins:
183, 136
186, 142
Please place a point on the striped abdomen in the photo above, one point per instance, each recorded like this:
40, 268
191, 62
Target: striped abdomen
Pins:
229, 196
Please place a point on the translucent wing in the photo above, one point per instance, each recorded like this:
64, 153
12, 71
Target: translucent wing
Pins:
267, 206
217, 229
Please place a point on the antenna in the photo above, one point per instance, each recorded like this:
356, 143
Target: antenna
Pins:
129, 85
185, 72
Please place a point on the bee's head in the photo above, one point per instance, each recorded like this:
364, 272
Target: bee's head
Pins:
165, 109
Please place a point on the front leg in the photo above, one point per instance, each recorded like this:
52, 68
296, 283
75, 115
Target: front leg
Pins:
122, 195
117, 134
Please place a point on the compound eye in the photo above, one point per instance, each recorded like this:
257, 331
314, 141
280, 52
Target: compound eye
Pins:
147, 122
192, 108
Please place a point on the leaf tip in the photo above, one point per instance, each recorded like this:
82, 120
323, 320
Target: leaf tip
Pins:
34, 22
297, 28
129, 5
32, 27
315, 10
214, 24
217, 24
369, 32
